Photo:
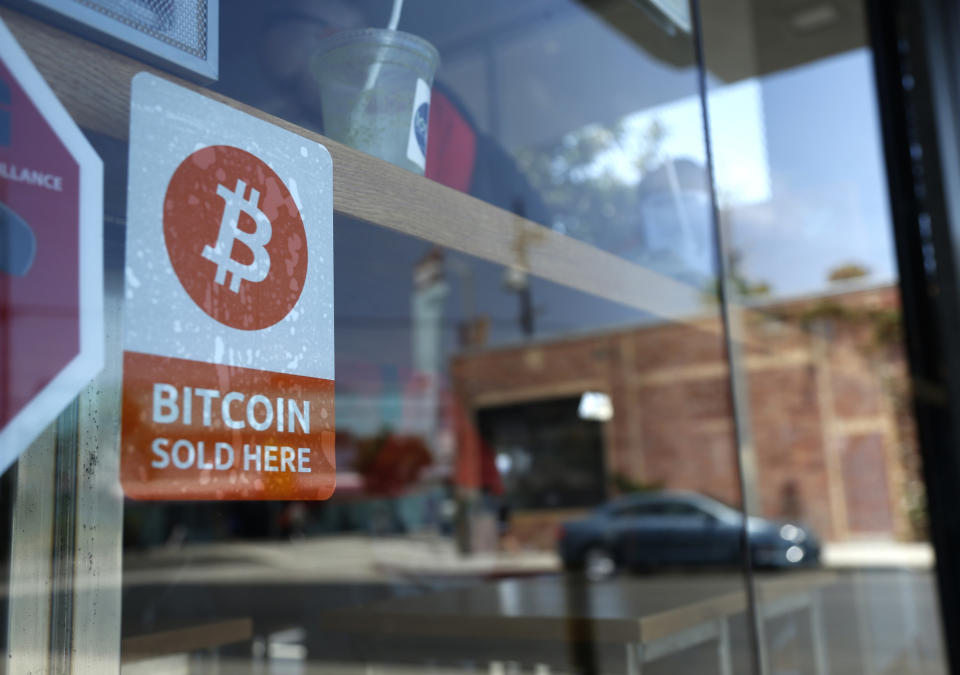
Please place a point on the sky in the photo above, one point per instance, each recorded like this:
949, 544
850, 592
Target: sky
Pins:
798, 169
829, 203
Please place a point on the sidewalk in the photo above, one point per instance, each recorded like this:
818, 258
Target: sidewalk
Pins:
877, 554
377, 559
439, 558
435, 557
354, 558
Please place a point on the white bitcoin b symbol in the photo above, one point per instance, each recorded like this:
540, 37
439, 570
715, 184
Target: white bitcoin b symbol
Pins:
234, 203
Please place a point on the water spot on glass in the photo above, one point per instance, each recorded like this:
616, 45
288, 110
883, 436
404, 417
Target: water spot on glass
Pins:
132, 278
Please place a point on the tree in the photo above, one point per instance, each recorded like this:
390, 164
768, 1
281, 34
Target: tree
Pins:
740, 286
582, 178
847, 272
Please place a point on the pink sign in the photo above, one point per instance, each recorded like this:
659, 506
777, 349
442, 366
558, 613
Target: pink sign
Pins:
51, 254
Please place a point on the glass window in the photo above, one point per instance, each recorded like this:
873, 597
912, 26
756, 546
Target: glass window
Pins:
638, 510
828, 445
681, 509
386, 405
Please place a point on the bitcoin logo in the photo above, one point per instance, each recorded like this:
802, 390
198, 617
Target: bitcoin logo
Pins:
235, 204
235, 237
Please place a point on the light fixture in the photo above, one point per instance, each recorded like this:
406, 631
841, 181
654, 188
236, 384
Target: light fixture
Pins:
595, 406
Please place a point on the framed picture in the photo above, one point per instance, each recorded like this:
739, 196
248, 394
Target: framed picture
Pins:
178, 35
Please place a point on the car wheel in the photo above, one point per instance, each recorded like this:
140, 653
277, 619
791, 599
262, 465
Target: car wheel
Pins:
598, 563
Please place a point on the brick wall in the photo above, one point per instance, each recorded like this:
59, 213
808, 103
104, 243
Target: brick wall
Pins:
833, 446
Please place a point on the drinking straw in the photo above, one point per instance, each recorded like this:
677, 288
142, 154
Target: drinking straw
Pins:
374, 72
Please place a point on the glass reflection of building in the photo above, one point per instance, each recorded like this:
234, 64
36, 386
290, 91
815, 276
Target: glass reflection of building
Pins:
540, 324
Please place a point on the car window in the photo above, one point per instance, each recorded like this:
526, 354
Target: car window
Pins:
681, 509
636, 510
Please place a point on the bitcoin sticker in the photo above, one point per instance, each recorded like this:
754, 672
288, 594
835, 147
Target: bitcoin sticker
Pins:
235, 237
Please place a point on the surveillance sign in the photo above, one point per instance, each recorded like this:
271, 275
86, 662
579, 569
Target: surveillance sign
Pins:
51, 254
228, 385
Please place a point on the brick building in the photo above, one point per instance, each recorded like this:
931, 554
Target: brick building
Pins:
827, 403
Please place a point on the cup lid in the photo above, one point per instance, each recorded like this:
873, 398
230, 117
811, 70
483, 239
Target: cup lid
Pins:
395, 39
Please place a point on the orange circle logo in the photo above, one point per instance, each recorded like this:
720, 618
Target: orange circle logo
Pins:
235, 237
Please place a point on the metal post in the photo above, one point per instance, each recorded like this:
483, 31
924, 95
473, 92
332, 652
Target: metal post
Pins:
31, 578
725, 666
634, 658
820, 664
98, 521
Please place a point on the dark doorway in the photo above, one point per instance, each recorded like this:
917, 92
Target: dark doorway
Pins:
547, 455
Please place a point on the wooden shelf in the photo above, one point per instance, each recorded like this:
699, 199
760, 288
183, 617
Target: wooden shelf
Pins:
94, 85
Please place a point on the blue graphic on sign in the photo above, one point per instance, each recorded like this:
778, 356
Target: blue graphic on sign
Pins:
5, 100
420, 121
18, 245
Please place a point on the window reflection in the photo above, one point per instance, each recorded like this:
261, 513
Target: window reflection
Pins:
822, 357
499, 420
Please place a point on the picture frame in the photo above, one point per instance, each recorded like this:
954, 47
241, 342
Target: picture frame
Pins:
177, 35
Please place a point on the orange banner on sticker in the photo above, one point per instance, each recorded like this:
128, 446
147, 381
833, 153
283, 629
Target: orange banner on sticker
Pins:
202, 431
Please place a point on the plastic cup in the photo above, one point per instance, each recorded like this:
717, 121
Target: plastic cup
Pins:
374, 87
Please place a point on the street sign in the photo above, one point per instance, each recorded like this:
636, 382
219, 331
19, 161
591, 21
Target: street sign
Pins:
229, 360
51, 254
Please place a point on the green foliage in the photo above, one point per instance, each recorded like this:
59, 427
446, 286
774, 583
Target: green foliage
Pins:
848, 271
622, 484
885, 324
740, 286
